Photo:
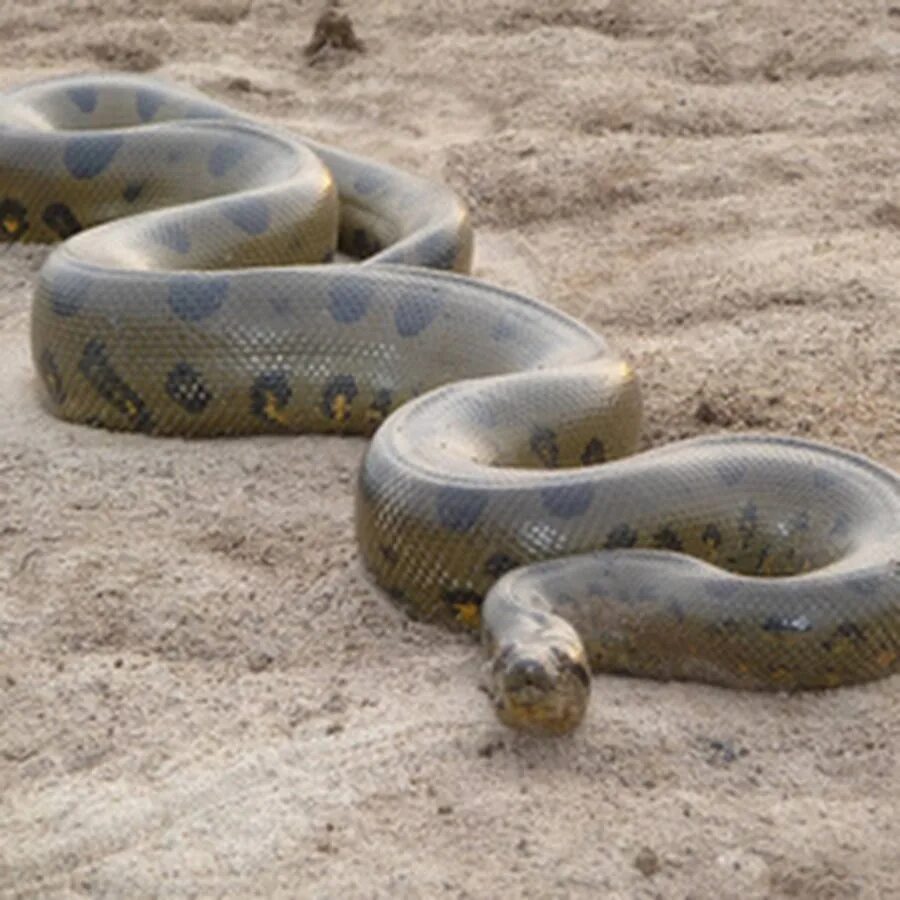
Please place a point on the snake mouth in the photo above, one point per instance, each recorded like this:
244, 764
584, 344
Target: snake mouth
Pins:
542, 695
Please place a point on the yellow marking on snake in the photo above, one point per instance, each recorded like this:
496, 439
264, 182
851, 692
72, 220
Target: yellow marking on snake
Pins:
223, 279
271, 410
340, 408
468, 615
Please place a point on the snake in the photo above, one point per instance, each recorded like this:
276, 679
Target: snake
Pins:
217, 276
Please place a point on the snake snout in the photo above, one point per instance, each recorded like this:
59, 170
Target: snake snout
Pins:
527, 675
544, 691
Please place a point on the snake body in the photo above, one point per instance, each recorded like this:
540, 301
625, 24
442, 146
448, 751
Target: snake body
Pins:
499, 488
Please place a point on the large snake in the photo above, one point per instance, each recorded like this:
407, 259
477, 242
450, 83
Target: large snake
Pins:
498, 488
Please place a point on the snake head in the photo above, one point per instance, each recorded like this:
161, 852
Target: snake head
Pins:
540, 688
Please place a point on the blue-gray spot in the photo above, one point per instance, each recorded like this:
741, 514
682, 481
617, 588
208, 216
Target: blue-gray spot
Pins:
503, 330
439, 250
822, 479
416, 311
223, 158
459, 508
731, 472
194, 297
567, 501
61, 220
88, 156
250, 215
85, 98
349, 299
174, 236
68, 293
368, 181
148, 103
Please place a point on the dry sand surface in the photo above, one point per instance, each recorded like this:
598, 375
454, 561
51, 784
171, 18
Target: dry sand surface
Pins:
201, 692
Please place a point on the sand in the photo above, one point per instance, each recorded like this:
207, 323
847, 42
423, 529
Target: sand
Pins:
201, 694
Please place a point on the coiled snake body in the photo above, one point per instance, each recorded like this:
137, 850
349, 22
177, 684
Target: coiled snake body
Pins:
749, 561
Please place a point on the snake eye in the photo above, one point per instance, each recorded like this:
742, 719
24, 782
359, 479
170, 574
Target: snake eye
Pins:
567, 664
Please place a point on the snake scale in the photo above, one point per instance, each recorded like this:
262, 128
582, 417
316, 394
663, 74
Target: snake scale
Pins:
499, 488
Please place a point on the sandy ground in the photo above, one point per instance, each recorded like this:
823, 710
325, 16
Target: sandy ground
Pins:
200, 692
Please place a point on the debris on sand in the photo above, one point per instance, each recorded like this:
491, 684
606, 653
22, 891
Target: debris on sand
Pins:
333, 35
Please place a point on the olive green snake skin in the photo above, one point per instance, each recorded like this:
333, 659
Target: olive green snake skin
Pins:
504, 427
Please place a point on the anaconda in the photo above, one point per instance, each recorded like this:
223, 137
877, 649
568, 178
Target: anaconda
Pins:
195, 293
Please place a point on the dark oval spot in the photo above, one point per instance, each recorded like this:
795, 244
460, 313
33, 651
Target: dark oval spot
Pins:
621, 536
349, 299
711, 535
567, 501
98, 370
13, 219
194, 297
132, 191
850, 630
667, 539
381, 404
223, 158
415, 312
148, 101
87, 157
85, 98
61, 220
594, 452
544, 446
363, 244
389, 554
186, 388
338, 396
459, 508
250, 214
270, 393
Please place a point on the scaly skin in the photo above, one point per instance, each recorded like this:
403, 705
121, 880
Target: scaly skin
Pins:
748, 561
